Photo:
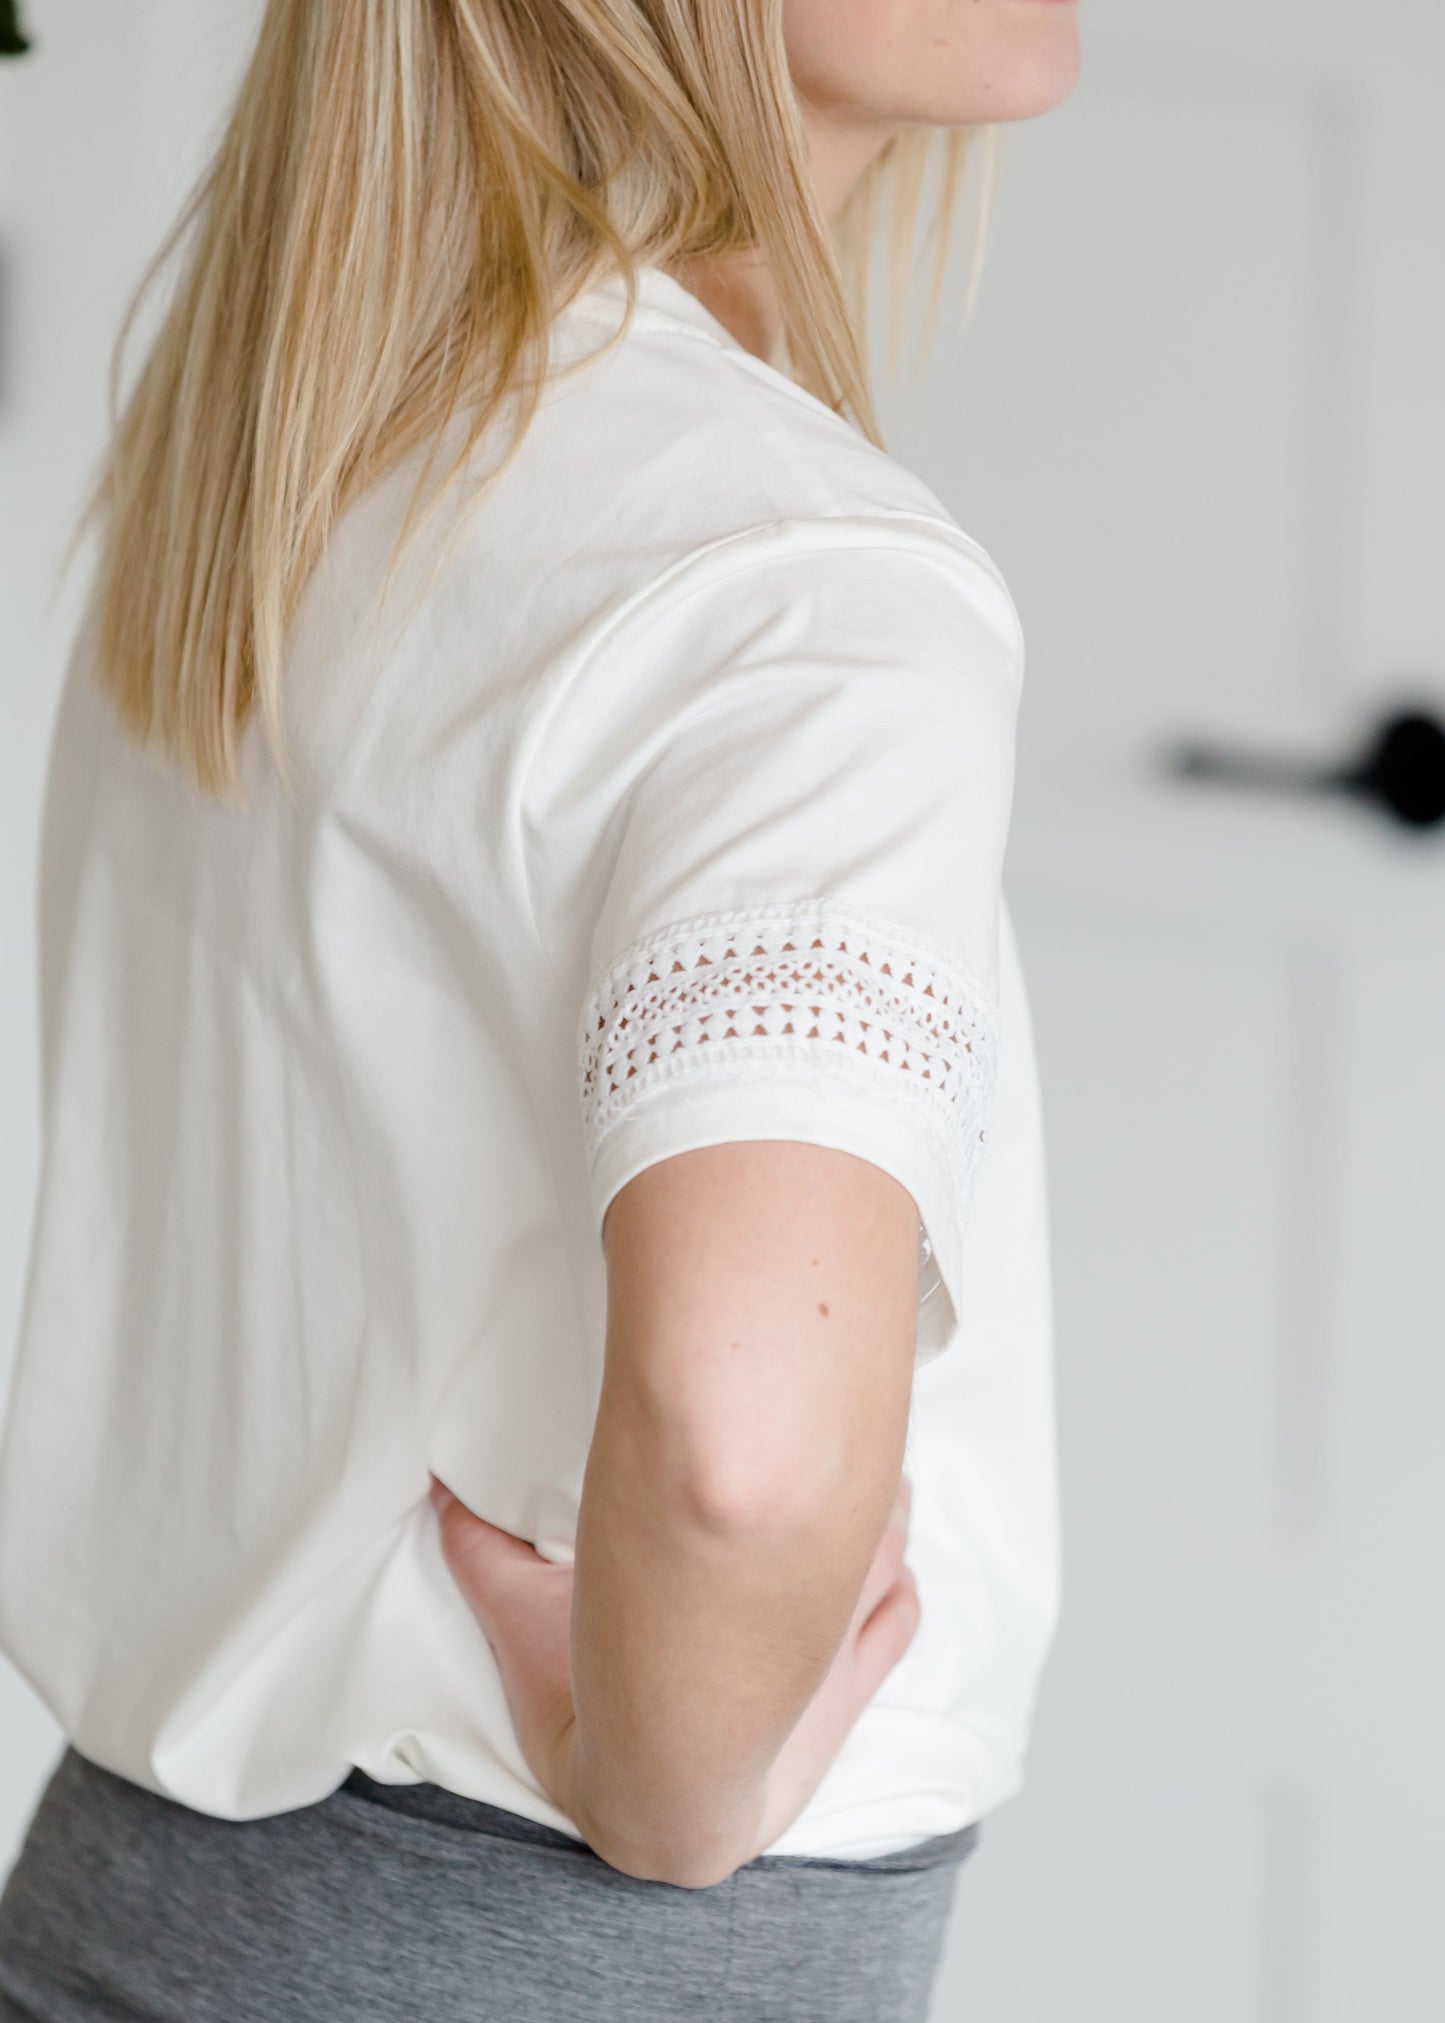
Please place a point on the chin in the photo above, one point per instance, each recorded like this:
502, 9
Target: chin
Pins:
928, 63
1023, 84
1045, 86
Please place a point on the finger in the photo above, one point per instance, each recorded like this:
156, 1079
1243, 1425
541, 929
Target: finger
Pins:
887, 1564
886, 1635
464, 1523
491, 1564
483, 1552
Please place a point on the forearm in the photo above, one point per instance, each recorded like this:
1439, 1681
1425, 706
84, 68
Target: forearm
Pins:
701, 1627
745, 1460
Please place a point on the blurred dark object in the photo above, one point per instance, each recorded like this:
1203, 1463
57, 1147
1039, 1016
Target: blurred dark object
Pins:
12, 42
1401, 771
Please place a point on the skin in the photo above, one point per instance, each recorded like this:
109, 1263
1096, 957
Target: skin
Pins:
741, 1534
863, 69
740, 1590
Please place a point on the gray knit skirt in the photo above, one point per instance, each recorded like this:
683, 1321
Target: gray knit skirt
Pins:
408, 1904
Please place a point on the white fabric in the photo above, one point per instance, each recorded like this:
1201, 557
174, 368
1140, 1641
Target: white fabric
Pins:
661, 801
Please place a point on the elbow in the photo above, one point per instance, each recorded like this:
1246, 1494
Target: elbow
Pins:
753, 1497
698, 1874
683, 1868
691, 1850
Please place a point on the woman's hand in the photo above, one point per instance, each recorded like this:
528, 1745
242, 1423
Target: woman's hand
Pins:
523, 1604
883, 1626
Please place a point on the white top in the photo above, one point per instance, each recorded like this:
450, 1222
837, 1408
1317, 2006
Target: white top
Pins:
661, 803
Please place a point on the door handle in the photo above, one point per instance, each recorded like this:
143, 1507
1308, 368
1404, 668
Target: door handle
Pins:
12, 38
1401, 770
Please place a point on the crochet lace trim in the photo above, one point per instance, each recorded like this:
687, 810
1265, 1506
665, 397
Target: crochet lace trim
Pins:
792, 990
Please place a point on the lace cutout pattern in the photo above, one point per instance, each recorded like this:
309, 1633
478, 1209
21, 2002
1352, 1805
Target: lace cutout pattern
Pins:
792, 989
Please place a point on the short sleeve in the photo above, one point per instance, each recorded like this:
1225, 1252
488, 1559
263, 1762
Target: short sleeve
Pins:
801, 773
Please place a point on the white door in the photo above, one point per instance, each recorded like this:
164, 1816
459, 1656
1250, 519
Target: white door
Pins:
1200, 422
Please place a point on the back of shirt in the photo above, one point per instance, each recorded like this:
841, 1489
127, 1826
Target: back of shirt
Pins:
659, 800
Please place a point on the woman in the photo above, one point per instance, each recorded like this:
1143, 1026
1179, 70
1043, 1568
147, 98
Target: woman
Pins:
525, 998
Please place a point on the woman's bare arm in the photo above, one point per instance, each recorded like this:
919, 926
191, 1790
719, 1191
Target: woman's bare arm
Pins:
747, 1453
739, 1590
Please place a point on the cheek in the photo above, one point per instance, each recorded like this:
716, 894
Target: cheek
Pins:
844, 53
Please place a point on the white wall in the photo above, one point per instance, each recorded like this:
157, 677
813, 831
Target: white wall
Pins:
101, 128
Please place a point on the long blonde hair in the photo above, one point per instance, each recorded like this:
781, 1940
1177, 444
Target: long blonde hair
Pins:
406, 194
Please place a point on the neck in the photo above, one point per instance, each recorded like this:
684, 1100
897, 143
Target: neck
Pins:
737, 288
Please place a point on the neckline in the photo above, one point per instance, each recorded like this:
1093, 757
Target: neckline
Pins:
664, 304
661, 302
